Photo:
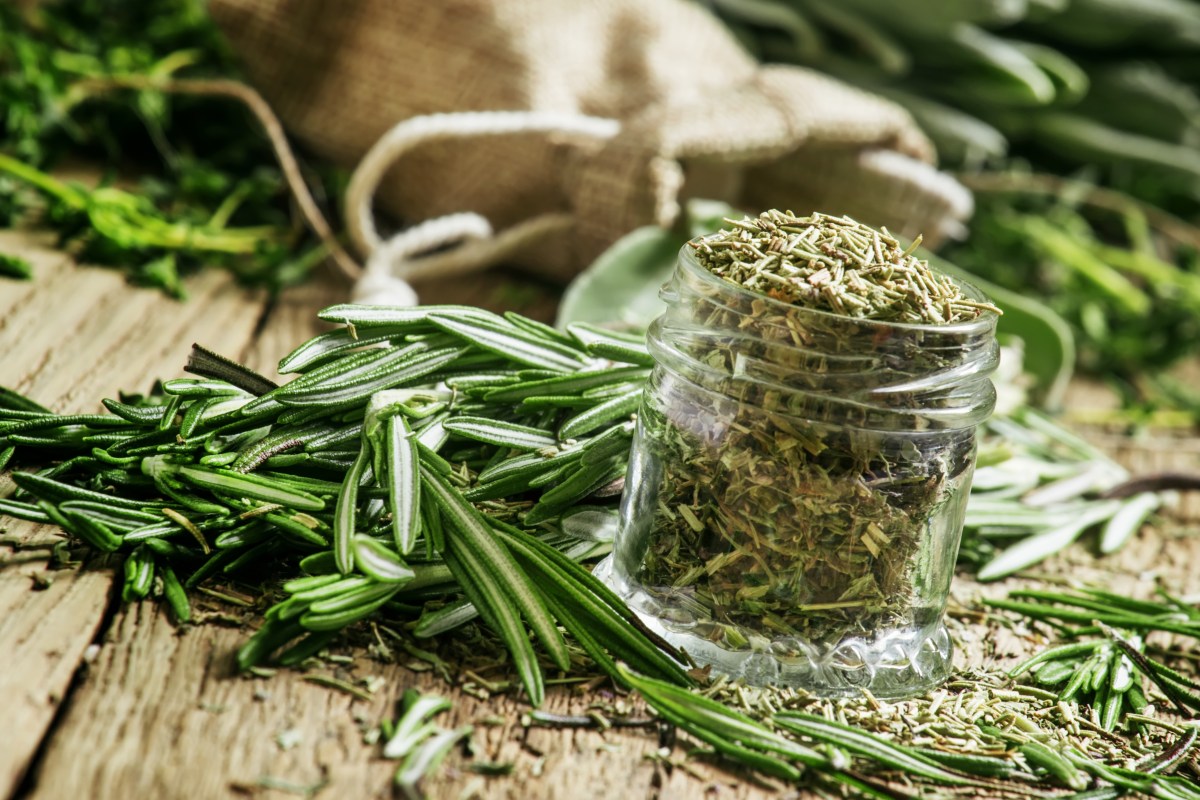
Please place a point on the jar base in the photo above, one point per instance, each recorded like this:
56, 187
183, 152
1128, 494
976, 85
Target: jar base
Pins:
894, 665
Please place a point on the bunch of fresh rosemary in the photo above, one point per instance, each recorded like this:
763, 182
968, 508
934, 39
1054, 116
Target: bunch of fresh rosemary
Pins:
1038, 488
384, 494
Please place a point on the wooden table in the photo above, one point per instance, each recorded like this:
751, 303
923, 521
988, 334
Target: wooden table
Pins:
104, 700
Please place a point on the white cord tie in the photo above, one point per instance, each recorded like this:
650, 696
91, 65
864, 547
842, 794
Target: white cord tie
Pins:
466, 240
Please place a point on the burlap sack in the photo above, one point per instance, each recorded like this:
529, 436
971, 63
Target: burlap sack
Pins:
695, 116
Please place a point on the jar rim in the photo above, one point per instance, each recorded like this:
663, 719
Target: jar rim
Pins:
684, 367
987, 319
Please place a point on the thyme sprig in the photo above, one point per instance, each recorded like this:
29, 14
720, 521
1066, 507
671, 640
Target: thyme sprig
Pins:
148, 86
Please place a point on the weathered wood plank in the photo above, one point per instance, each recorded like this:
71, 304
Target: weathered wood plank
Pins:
161, 715
43, 635
159, 703
67, 339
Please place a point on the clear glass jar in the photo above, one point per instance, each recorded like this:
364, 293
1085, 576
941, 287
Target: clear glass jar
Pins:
797, 486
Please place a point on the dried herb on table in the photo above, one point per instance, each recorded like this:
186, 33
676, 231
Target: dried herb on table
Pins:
780, 507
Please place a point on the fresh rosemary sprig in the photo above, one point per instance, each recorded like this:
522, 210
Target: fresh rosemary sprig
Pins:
428, 463
1090, 608
1037, 489
1100, 662
1096, 672
416, 739
207, 477
972, 738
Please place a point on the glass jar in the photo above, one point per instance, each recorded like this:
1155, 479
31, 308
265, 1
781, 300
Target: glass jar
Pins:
797, 486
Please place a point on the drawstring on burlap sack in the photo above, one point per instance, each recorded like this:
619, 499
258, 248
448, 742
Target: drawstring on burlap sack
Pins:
617, 113
454, 244
465, 242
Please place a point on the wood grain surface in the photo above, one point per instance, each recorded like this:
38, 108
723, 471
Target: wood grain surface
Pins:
108, 701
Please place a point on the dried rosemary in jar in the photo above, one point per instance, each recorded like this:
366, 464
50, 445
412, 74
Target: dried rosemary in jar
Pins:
803, 455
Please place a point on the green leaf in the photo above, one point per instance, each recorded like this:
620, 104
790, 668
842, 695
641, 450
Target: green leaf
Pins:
1045, 544
56, 491
446, 618
1057, 764
576, 486
414, 725
25, 511
715, 723
345, 513
500, 433
364, 316
604, 343
255, 487
376, 561
594, 615
615, 408
1128, 520
426, 758
338, 612
488, 598
1052, 653
624, 280
404, 483
331, 343
400, 366
511, 342
489, 562
566, 385
15, 267
868, 746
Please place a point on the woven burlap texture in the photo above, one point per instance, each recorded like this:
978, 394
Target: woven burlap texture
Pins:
698, 116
